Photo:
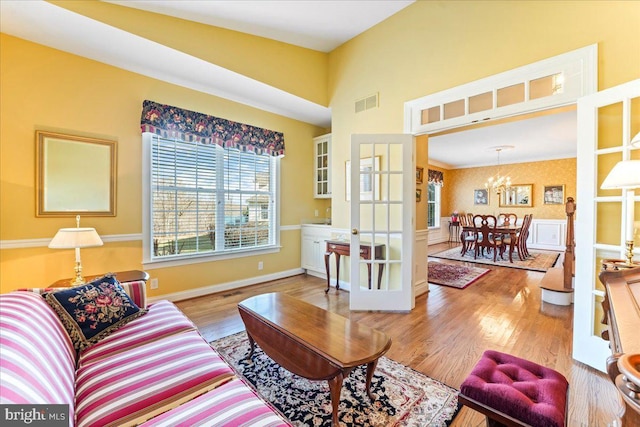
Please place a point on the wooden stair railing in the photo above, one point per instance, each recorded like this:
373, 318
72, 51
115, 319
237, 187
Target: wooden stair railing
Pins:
557, 282
569, 253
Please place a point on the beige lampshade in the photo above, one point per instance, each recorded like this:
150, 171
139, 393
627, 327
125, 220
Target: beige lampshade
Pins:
625, 174
69, 238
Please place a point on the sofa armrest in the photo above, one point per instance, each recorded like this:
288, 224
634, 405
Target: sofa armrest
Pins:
137, 291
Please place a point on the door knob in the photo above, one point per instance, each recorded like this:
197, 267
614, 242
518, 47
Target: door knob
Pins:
354, 231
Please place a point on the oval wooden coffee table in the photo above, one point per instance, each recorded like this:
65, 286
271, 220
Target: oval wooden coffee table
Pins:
311, 342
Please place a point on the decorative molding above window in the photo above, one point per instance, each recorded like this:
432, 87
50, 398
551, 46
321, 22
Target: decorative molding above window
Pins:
542, 85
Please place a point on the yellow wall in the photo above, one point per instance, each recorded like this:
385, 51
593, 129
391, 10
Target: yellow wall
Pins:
461, 183
43, 88
435, 45
300, 71
422, 154
427, 47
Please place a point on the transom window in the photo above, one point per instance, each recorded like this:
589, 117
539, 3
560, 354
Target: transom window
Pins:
208, 200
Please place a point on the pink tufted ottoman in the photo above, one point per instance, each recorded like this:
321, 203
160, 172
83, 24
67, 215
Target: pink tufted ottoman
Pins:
512, 391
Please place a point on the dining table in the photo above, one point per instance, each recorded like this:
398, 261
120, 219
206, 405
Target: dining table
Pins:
511, 229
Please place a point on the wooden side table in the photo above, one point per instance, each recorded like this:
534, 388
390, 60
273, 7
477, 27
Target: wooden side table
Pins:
454, 232
122, 276
341, 247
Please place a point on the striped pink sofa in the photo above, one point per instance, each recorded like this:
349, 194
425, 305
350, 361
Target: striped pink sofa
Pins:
156, 370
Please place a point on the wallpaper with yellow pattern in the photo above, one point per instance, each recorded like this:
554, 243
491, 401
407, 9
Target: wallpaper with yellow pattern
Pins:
457, 193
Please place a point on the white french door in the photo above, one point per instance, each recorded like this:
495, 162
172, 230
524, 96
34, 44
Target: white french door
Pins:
607, 121
382, 190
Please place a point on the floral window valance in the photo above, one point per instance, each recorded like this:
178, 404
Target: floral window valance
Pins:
173, 122
435, 177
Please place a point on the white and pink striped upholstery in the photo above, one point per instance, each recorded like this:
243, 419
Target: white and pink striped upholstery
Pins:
38, 358
134, 385
162, 319
155, 366
233, 404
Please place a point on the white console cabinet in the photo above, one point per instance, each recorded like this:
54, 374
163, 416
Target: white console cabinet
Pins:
313, 247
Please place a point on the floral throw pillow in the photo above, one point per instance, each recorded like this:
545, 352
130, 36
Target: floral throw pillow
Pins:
92, 311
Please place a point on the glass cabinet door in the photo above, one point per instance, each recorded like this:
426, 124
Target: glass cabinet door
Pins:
322, 165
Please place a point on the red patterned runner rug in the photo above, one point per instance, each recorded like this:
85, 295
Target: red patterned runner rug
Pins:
456, 276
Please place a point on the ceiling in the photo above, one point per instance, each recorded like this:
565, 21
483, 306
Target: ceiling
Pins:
546, 137
316, 24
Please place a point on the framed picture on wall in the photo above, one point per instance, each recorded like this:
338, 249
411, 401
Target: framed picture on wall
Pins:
517, 196
553, 194
418, 195
419, 175
63, 186
369, 181
481, 196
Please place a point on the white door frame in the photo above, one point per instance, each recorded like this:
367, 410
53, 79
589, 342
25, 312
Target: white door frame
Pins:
589, 348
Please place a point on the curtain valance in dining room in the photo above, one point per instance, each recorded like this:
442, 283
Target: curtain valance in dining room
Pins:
435, 177
173, 122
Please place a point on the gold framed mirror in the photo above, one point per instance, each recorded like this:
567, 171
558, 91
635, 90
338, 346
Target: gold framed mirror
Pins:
519, 195
75, 175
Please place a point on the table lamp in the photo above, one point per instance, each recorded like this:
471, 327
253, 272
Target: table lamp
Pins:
76, 238
626, 175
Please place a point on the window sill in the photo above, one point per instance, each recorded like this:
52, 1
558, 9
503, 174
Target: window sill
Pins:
197, 259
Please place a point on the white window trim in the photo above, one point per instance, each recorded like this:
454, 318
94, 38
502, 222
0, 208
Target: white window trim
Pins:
438, 211
149, 263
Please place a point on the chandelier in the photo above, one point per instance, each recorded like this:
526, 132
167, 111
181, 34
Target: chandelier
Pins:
499, 183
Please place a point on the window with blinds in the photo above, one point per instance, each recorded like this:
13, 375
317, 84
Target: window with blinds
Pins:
206, 199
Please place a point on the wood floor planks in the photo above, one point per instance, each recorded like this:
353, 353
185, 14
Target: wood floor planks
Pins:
448, 330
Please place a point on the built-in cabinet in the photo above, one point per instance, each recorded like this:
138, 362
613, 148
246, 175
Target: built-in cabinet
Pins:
322, 166
313, 247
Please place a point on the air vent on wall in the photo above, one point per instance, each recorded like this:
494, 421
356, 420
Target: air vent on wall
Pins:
367, 103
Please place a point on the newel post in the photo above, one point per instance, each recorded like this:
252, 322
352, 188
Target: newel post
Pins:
569, 254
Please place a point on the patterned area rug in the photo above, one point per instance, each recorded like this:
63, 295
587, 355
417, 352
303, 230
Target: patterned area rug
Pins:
403, 397
456, 276
538, 261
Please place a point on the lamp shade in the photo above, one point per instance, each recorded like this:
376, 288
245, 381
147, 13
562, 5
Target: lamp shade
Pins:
68, 238
625, 174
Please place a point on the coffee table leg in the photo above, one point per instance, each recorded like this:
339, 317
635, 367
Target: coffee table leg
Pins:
371, 367
253, 345
335, 385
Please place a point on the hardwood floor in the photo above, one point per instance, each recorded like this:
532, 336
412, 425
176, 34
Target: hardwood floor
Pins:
446, 333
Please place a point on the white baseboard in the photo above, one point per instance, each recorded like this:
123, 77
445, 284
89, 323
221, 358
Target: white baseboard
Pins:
206, 290
321, 275
422, 288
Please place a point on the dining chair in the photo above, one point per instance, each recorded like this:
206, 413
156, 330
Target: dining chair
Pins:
520, 239
467, 237
487, 236
525, 236
507, 218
